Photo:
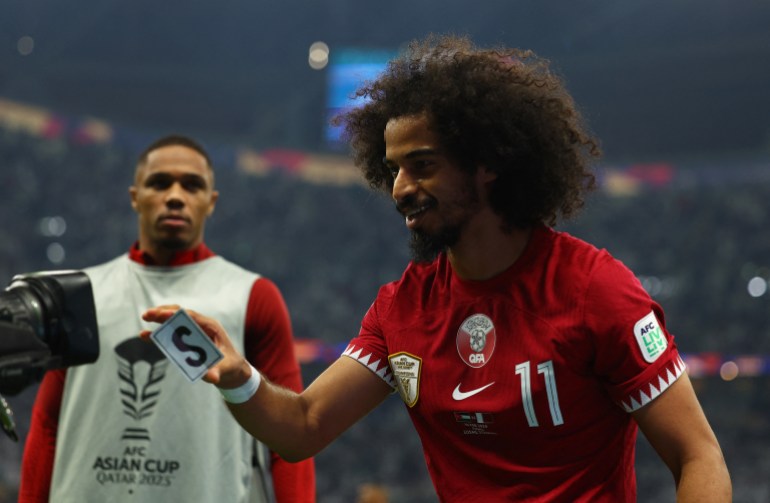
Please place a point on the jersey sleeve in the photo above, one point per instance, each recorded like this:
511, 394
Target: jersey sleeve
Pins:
40, 448
369, 347
269, 346
633, 352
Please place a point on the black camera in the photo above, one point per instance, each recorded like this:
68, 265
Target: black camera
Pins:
47, 321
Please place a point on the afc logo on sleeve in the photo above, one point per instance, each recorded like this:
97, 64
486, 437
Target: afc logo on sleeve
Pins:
652, 342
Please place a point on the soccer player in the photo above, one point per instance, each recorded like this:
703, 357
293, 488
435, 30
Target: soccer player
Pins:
527, 358
126, 428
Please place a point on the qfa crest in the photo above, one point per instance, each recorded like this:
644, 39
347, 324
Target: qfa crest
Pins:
476, 339
406, 369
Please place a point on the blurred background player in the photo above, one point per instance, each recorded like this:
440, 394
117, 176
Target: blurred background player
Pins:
125, 429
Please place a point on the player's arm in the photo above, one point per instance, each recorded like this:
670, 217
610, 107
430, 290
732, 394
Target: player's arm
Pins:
269, 346
296, 426
300, 426
678, 430
40, 448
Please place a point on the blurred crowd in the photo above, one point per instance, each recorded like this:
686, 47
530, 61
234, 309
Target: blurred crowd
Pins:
695, 246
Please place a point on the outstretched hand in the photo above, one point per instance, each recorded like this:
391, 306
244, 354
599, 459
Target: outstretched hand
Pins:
232, 371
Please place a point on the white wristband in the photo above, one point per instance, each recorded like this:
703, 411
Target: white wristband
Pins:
245, 391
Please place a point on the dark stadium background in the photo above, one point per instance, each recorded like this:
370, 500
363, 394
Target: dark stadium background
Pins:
678, 91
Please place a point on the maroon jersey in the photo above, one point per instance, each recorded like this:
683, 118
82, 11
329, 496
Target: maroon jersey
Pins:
520, 386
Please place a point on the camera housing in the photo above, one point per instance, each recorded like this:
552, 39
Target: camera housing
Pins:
47, 321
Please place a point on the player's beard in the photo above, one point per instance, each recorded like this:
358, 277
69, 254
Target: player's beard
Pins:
425, 246
173, 243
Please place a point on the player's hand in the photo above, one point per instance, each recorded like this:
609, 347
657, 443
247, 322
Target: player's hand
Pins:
232, 371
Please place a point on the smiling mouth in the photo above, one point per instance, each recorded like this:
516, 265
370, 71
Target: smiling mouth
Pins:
412, 215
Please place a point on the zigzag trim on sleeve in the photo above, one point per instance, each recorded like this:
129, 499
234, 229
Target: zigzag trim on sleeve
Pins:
640, 398
379, 367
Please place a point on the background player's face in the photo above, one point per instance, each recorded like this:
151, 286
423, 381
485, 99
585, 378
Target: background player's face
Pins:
437, 198
173, 194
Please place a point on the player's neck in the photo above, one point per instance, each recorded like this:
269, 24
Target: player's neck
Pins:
161, 255
486, 249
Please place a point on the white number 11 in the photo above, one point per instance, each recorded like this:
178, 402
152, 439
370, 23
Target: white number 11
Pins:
545, 368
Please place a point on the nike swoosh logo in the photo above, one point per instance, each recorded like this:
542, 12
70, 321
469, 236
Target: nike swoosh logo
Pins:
460, 395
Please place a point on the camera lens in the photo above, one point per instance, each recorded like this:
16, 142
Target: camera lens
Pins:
47, 320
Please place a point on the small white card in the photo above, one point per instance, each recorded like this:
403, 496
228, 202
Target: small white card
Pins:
186, 344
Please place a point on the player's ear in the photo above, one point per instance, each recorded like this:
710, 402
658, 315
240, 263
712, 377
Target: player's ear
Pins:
213, 202
132, 193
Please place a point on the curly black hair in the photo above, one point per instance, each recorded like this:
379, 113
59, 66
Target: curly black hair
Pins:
501, 108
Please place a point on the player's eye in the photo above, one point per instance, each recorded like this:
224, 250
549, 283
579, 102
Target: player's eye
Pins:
193, 184
158, 182
392, 167
422, 164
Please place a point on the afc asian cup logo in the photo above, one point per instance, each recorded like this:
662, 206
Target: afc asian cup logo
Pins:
476, 340
141, 368
407, 368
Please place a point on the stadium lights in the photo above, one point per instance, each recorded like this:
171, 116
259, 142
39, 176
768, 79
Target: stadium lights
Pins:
318, 55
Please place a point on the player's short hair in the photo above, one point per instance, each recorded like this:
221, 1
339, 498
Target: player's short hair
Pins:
174, 139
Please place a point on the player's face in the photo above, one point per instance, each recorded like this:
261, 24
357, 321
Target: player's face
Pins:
437, 198
173, 194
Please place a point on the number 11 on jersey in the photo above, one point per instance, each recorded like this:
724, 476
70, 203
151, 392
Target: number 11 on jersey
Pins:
546, 369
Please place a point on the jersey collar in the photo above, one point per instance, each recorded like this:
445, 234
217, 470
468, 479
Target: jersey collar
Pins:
184, 257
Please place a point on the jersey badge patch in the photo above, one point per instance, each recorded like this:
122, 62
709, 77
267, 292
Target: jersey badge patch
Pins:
652, 342
476, 340
406, 369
